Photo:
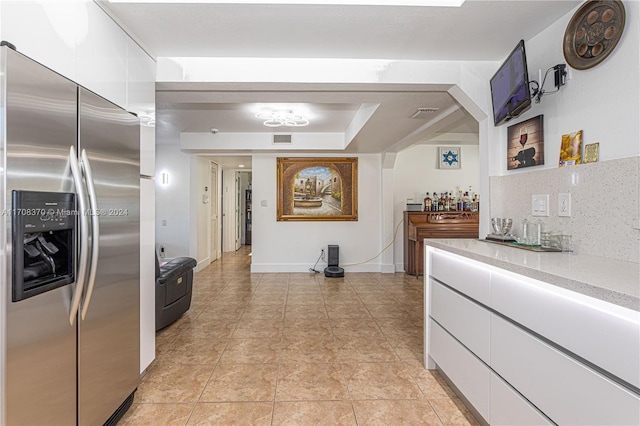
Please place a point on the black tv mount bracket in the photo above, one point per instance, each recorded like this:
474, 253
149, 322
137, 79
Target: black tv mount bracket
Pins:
559, 77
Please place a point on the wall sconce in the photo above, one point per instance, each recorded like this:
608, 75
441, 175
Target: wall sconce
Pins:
165, 178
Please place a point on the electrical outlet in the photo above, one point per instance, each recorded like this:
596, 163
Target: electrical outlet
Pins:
540, 205
564, 205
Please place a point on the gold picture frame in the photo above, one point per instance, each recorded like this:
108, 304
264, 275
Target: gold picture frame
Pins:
317, 189
591, 152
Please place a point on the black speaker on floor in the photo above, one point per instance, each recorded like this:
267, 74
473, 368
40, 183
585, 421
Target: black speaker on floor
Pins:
333, 270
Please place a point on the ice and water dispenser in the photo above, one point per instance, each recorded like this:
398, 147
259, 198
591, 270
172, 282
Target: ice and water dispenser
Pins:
44, 239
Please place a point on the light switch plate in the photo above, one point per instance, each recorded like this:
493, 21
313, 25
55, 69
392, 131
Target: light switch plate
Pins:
540, 205
564, 205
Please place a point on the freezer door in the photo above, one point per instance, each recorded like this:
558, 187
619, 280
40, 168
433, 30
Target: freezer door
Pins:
109, 335
39, 122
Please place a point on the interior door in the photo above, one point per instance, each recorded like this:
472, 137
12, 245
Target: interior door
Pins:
215, 239
239, 222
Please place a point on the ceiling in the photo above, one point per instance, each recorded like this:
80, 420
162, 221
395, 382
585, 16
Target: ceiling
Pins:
479, 30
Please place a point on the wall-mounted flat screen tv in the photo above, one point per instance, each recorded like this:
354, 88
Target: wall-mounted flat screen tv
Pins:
510, 87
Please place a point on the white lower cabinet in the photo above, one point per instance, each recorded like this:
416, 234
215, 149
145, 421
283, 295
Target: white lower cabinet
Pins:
461, 274
466, 320
567, 391
530, 354
509, 408
604, 334
470, 375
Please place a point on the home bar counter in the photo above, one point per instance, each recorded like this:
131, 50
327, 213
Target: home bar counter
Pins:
534, 338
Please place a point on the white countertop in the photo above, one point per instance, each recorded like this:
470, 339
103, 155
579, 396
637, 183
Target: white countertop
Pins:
610, 280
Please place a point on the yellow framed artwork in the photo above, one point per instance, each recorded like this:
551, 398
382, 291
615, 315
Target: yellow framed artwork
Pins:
571, 149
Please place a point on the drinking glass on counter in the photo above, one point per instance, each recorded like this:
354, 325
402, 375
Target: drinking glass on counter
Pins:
531, 232
568, 245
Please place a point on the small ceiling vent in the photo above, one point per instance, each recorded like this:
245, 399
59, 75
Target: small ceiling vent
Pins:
422, 113
281, 139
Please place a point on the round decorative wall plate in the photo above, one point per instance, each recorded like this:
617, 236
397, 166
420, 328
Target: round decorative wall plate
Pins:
593, 32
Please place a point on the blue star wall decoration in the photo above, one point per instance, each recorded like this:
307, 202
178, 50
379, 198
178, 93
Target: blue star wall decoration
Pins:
449, 157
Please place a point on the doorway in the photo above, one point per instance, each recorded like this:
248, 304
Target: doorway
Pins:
215, 240
246, 215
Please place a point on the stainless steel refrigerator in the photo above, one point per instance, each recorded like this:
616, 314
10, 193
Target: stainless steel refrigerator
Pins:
69, 306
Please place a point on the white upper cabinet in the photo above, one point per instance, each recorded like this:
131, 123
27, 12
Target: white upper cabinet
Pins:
44, 32
102, 58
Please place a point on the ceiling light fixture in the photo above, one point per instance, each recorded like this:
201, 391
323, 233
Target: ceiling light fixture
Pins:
282, 118
147, 119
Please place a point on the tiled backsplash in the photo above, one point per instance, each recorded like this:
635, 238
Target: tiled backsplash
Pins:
605, 204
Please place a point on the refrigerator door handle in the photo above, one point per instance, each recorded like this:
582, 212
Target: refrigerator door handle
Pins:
95, 231
84, 235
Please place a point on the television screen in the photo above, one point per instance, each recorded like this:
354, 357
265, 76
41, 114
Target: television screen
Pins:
510, 87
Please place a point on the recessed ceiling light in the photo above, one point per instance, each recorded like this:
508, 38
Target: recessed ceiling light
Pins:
214, 130
241, 166
440, 3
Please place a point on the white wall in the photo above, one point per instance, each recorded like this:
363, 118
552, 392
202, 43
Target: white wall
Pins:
415, 172
203, 210
603, 101
173, 202
295, 246
147, 273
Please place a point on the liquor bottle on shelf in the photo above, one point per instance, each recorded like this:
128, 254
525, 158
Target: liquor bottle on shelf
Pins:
427, 203
467, 202
460, 203
447, 202
441, 203
434, 202
474, 203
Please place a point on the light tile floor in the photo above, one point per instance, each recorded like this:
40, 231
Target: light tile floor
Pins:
295, 349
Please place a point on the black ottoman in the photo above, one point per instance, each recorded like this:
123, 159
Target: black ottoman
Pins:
174, 282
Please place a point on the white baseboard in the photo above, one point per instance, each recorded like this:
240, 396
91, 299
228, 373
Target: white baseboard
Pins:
202, 264
388, 268
261, 268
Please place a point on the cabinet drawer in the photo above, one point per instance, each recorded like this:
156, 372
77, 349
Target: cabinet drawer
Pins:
462, 274
509, 408
466, 320
567, 391
602, 333
470, 375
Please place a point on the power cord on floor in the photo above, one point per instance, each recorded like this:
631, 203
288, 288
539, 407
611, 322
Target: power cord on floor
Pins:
316, 264
395, 235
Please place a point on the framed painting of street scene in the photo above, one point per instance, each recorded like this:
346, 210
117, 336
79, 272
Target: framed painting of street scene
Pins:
317, 189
